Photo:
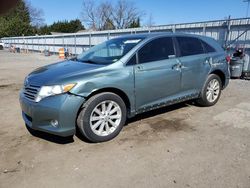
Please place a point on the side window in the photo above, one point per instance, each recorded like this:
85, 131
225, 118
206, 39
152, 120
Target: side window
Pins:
207, 47
190, 46
132, 60
156, 50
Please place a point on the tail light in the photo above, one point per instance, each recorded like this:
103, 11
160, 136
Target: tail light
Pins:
228, 58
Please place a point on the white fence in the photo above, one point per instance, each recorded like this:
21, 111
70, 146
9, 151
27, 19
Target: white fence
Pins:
235, 32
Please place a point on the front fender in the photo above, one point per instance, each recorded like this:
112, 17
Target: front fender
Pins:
121, 79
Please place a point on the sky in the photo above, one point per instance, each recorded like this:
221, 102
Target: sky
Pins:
163, 11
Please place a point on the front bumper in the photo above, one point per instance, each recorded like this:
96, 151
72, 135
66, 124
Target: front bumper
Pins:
63, 108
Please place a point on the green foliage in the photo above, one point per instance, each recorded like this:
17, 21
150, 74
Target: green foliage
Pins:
16, 22
44, 30
108, 25
135, 23
67, 27
62, 27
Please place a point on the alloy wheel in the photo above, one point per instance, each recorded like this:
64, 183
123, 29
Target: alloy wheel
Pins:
105, 118
213, 90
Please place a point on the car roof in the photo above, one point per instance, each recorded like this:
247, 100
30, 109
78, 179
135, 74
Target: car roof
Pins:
158, 34
209, 40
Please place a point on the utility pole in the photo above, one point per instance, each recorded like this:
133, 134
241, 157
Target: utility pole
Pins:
248, 3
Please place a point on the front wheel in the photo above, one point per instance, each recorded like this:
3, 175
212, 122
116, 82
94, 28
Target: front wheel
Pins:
211, 91
102, 117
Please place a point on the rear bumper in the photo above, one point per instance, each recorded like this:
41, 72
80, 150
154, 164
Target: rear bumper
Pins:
62, 108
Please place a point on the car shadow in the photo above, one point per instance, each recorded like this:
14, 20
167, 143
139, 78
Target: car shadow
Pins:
49, 137
79, 135
145, 115
159, 111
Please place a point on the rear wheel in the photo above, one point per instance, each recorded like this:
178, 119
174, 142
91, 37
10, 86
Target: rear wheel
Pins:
211, 91
102, 117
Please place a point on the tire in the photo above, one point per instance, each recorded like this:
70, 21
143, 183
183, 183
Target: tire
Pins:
207, 99
99, 124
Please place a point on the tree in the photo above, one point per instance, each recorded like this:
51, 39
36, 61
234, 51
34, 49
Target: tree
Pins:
124, 13
108, 25
36, 15
44, 30
135, 23
67, 27
90, 14
75, 26
16, 22
106, 15
97, 17
62, 27
24, 19
105, 20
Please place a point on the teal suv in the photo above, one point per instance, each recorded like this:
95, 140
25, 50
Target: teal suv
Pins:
99, 89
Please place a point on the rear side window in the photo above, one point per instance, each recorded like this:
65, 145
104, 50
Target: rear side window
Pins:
207, 47
190, 46
156, 50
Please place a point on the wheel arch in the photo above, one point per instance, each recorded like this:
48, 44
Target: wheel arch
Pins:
221, 75
116, 91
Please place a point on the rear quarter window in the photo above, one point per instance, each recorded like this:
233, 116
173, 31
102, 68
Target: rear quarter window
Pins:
189, 46
208, 48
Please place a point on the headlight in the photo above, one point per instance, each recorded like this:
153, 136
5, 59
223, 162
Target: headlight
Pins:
46, 91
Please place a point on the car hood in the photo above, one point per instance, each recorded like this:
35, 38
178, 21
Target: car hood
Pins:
57, 71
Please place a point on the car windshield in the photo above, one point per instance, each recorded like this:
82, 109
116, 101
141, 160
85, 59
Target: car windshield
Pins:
109, 51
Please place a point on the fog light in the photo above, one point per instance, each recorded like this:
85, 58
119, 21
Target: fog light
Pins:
54, 123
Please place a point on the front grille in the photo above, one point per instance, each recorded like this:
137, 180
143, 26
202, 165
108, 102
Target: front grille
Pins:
31, 91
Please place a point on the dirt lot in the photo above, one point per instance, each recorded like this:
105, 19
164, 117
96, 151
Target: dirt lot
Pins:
179, 146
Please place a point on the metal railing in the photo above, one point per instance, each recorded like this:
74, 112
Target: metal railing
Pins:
231, 32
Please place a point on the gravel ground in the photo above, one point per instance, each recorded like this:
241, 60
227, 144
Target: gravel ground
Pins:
178, 146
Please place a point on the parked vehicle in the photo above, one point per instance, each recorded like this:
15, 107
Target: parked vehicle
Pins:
120, 78
1, 45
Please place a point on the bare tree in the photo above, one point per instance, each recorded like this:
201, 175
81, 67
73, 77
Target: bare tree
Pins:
108, 16
90, 14
125, 12
105, 10
36, 15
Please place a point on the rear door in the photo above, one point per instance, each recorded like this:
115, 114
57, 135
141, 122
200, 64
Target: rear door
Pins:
195, 64
157, 74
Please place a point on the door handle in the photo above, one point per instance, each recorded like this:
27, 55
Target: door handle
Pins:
139, 68
177, 66
208, 61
